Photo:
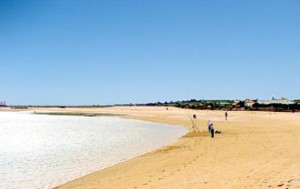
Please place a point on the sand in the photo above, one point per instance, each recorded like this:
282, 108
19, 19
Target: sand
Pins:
255, 150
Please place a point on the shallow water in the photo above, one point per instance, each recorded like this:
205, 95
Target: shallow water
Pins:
42, 151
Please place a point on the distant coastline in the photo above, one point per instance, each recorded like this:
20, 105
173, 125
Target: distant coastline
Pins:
275, 105
77, 114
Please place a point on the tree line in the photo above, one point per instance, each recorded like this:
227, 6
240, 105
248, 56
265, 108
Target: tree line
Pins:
223, 105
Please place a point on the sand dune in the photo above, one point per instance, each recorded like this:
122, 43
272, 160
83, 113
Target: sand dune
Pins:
255, 150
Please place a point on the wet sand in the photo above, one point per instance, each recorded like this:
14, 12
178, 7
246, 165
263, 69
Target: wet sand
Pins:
255, 150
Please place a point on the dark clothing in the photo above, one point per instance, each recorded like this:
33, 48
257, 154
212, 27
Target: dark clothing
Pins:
212, 132
209, 127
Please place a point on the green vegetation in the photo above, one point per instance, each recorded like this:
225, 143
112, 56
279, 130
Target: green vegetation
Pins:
191, 104
224, 105
297, 101
277, 107
19, 107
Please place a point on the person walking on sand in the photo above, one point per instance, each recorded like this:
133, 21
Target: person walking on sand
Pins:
212, 130
226, 115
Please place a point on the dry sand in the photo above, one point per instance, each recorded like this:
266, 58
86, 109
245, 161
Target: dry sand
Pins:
255, 150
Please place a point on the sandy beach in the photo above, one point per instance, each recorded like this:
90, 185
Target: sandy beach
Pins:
255, 150
93, 64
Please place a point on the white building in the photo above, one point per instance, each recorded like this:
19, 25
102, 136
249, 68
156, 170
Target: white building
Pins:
276, 101
249, 103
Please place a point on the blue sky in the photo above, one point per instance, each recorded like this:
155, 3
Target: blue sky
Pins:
81, 52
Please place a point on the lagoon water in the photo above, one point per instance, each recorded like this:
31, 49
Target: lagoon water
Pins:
43, 151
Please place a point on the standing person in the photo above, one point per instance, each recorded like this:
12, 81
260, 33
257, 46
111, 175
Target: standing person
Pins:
209, 126
194, 116
212, 130
226, 115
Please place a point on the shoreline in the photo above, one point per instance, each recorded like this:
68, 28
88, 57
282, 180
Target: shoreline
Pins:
165, 147
125, 160
122, 116
255, 150
141, 137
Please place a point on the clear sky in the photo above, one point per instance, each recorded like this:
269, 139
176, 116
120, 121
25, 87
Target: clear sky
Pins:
82, 52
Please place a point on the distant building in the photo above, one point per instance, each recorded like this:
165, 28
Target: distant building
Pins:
2, 104
224, 103
236, 102
276, 101
249, 103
